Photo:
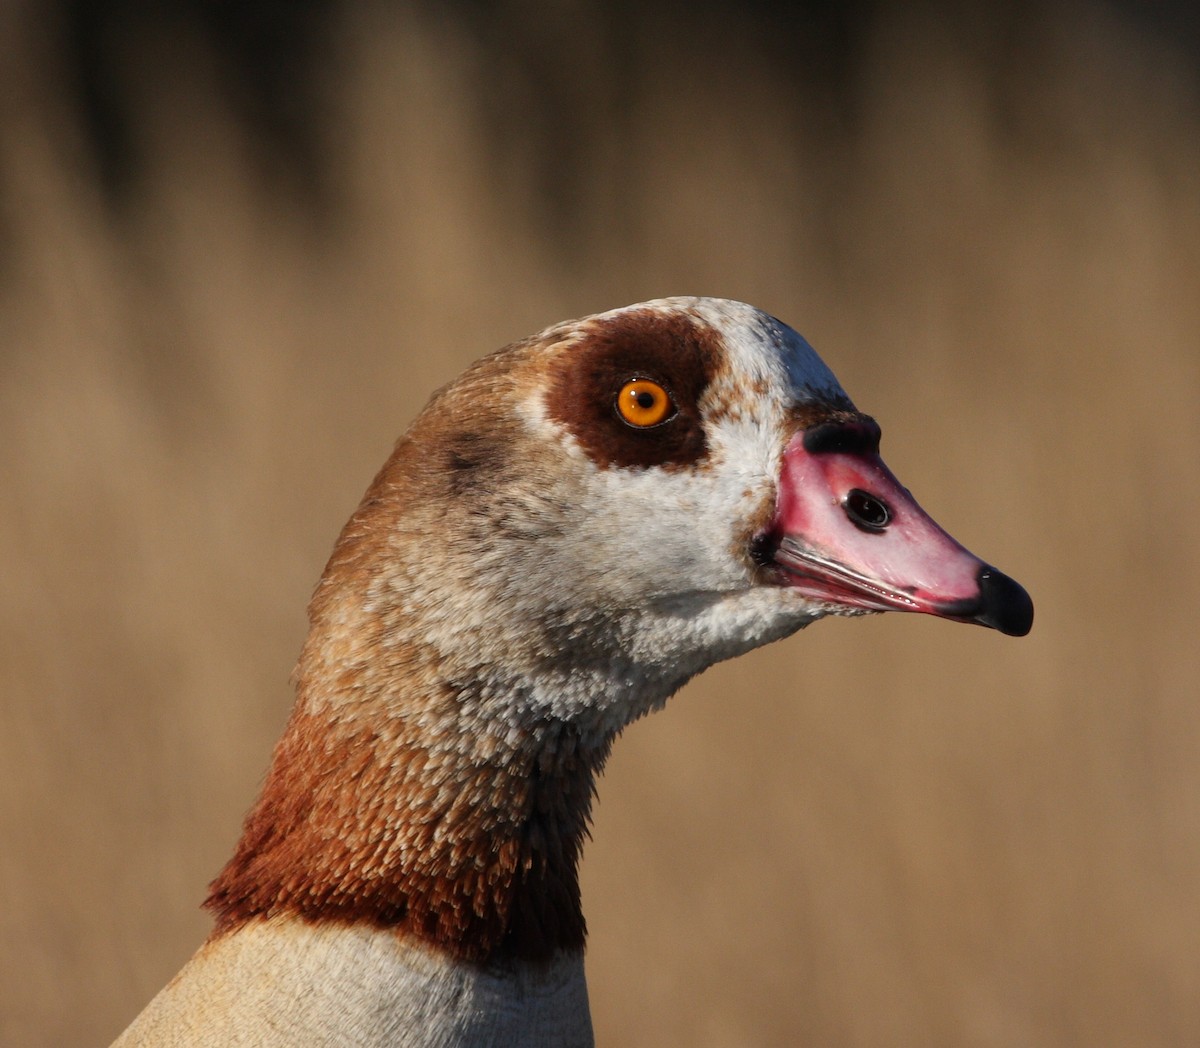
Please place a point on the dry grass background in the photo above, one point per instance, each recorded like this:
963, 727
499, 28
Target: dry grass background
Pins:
890, 831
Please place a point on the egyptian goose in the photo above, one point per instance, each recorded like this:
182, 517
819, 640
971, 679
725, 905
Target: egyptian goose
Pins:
566, 534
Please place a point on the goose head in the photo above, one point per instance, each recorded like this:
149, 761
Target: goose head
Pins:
566, 534
595, 514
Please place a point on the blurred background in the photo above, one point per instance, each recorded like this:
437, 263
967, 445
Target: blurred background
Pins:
240, 243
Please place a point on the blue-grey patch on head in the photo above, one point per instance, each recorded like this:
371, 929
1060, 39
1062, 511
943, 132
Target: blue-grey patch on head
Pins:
807, 373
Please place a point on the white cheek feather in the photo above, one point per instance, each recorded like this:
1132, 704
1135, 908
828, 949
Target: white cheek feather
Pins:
650, 533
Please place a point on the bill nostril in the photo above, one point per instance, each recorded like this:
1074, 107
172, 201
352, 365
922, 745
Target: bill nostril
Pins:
866, 511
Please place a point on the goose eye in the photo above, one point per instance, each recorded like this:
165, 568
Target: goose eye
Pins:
643, 403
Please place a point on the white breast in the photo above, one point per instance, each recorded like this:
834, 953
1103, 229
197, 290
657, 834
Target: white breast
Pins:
290, 983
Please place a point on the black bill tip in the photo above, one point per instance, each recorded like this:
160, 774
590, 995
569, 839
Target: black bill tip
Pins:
1003, 604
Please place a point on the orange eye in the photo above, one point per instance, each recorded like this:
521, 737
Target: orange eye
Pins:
643, 403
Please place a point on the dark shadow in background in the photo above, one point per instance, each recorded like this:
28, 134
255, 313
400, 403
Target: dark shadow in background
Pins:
273, 64
275, 61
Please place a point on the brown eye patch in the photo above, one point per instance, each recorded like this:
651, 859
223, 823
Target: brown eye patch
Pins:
672, 350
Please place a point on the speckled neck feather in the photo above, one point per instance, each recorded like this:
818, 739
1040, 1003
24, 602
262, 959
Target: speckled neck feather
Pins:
394, 799
350, 827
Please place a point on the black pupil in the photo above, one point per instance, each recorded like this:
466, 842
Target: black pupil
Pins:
645, 399
866, 511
